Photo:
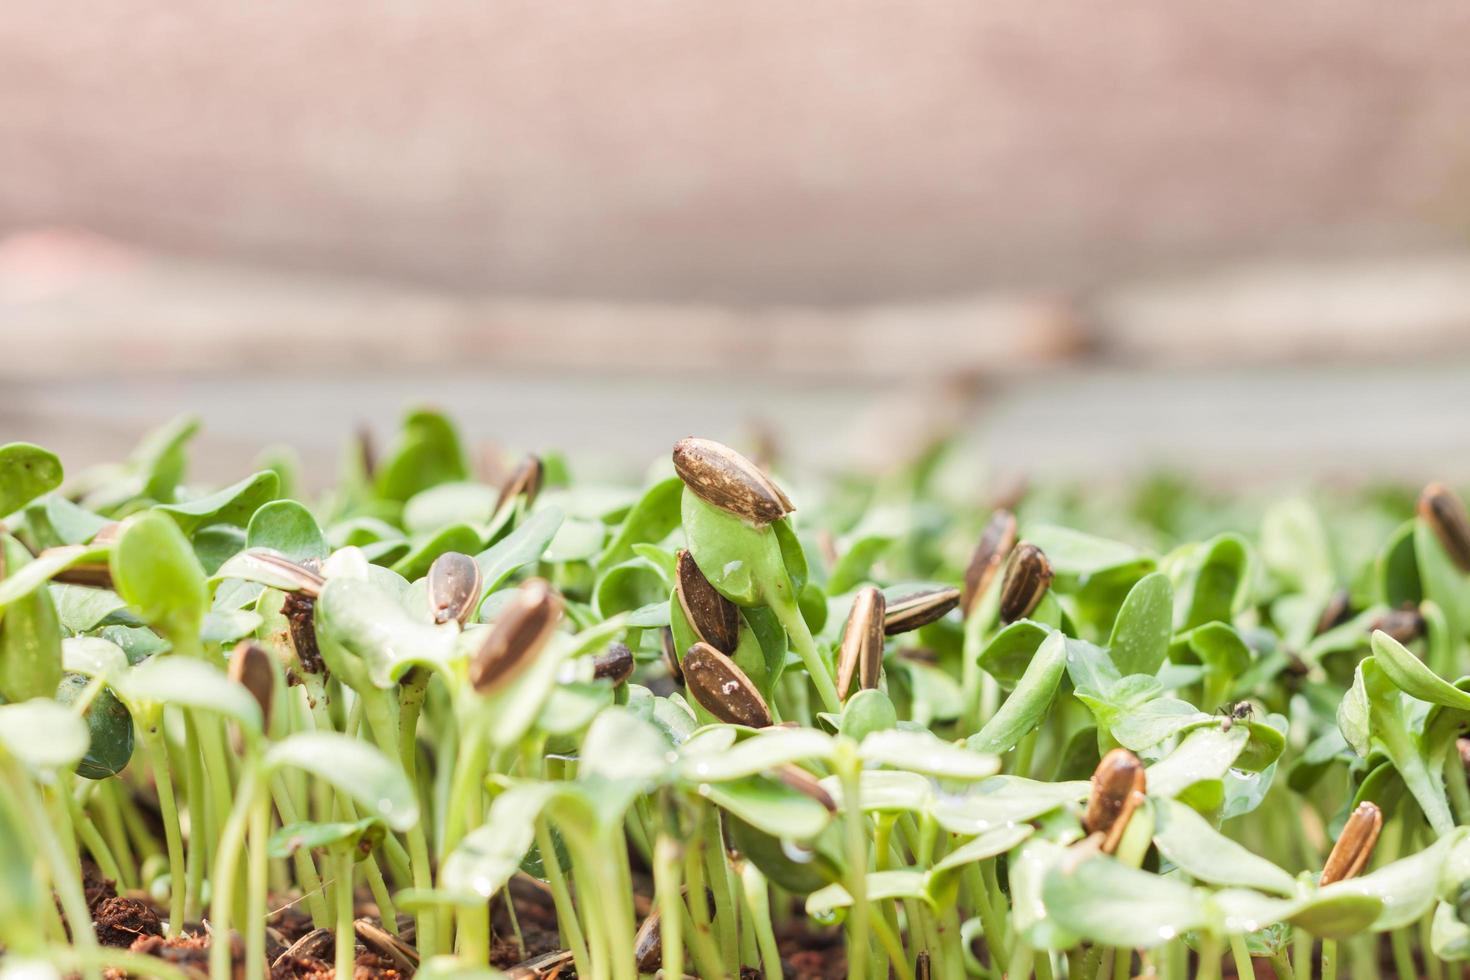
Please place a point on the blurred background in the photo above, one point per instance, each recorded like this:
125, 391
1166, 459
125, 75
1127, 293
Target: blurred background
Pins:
1232, 239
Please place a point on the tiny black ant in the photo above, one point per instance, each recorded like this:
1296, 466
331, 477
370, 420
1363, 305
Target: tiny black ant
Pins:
1239, 711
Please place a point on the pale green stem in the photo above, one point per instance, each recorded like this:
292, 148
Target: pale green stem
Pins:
257, 884
109, 817
566, 913
65, 872
385, 733
310, 881
1329, 960
717, 868
784, 605
231, 843
758, 902
199, 836
1244, 968
91, 838
1022, 958
157, 752
701, 937
849, 768
346, 941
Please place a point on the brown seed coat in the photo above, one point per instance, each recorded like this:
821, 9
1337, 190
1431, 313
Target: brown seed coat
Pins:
919, 609
720, 476
996, 542
1028, 576
722, 688
454, 584
714, 619
613, 664
861, 653
1444, 512
1354, 845
519, 633
1118, 786
525, 480
250, 667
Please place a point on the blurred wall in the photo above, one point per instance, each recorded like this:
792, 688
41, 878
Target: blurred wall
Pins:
765, 151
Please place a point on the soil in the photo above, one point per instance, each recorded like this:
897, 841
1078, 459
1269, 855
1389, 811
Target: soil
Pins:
133, 921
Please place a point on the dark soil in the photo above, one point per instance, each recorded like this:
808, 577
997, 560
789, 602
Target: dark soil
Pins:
134, 922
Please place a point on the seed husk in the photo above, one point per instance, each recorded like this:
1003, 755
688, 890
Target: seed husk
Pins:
303, 579
722, 688
804, 782
720, 476
861, 653
315, 945
1028, 575
1339, 609
671, 655
648, 946
524, 480
367, 456
1445, 513
1354, 845
385, 944
714, 619
1404, 625
521, 630
1118, 786
96, 576
108, 533
454, 584
250, 667
614, 664
996, 542
918, 609
543, 967
299, 608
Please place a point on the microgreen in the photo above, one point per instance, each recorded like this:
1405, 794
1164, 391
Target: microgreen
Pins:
705, 720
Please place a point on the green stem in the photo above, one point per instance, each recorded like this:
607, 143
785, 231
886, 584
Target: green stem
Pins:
231, 843
758, 902
257, 884
784, 605
1281, 963
1328, 969
1244, 968
104, 804
566, 912
671, 907
701, 936
91, 838
717, 870
157, 752
887, 937
1019, 967
1403, 956
849, 768
198, 820
387, 736
65, 873
346, 941
306, 873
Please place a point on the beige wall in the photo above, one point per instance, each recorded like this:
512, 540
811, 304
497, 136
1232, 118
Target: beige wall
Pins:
812, 152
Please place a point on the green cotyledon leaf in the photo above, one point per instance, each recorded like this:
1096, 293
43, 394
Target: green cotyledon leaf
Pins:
26, 472
155, 570
1140, 640
1029, 703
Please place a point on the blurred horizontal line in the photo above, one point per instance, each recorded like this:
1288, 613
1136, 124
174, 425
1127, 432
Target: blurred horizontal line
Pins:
74, 304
